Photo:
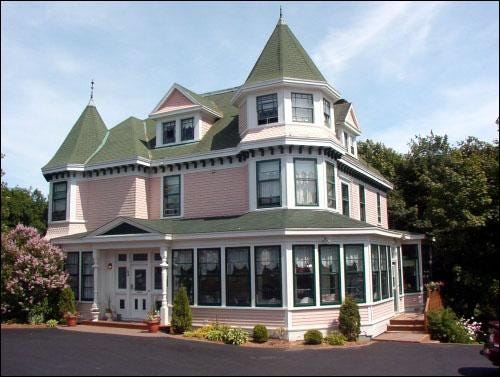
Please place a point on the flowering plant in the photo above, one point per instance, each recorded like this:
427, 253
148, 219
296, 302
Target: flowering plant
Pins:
152, 315
434, 285
472, 327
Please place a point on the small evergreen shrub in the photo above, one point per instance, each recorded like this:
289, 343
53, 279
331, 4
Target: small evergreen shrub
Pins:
51, 323
67, 303
349, 319
38, 312
260, 334
235, 336
181, 312
444, 326
313, 337
335, 338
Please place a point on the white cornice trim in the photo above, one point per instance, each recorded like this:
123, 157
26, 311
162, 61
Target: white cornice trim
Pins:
164, 114
367, 173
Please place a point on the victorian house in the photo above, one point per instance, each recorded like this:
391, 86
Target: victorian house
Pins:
254, 198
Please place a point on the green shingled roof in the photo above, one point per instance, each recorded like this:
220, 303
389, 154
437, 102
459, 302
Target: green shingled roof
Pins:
204, 101
82, 141
284, 56
277, 219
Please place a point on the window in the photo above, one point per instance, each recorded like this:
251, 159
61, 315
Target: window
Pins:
143, 257
345, 199
182, 272
411, 269
238, 276
122, 257
379, 210
376, 290
158, 278
268, 276
306, 182
398, 250
187, 129
303, 276
172, 195
169, 132
268, 183
329, 270
362, 204
326, 112
267, 109
346, 140
59, 195
122, 277
157, 257
72, 267
384, 271
87, 276
302, 108
353, 139
330, 185
209, 279
354, 272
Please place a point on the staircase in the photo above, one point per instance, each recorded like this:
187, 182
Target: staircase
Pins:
407, 327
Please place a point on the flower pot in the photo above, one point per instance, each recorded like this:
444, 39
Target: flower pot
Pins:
153, 326
71, 321
109, 316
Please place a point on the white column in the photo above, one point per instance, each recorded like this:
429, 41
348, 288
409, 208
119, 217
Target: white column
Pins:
95, 307
164, 300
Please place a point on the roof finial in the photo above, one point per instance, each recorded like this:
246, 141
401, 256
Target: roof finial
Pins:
91, 102
281, 21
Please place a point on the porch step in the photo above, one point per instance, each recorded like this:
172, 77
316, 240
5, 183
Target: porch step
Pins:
407, 322
404, 336
411, 327
123, 325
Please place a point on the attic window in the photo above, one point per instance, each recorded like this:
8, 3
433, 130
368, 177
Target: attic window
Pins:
187, 129
267, 109
169, 132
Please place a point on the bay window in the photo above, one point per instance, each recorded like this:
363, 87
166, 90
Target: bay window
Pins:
238, 276
306, 182
362, 203
209, 277
330, 186
327, 112
59, 200
268, 276
345, 199
302, 108
269, 183
182, 272
303, 275
376, 286
329, 274
355, 272
267, 109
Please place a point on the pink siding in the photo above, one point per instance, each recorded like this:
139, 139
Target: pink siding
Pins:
355, 213
175, 101
371, 205
243, 118
270, 132
322, 318
105, 199
64, 229
79, 206
246, 318
382, 311
206, 123
383, 205
222, 192
154, 198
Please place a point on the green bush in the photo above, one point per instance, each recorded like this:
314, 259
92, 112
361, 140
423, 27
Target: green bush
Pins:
444, 326
335, 338
181, 312
260, 334
235, 336
349, 319
313, 337
67, 303
51, 323
38, 312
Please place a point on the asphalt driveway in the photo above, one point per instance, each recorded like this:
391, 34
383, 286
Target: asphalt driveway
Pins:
47, 352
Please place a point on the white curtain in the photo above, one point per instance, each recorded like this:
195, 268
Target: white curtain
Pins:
266, 258
236, 259
209, 260
303, 257
305, 182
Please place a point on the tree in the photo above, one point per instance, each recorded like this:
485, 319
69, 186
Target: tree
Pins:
181, 312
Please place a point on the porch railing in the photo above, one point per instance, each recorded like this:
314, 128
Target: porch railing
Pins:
433, 302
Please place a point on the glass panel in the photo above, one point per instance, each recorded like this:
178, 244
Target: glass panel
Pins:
157, 257
384, 271
302, 107
267, 109
326, 112
303, 265
169, 132
305, 182
140, 280
122, 304
330, 185
158, 278
183, 272
354, 269
329, 274
345, 199
238, 276
410, 268
171, 196
122, 257
72, 267
362, 209
209, 279
375, 273
187, 129
268, 183
268, 276
140, 257
379, 211
87, 276
122, 277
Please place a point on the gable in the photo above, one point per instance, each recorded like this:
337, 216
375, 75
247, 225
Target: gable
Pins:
175, 101
124, 228
351, 119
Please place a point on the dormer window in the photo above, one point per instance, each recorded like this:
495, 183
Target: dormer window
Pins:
267, 109
169, 132
302, 108
326, 112
346, 140
353, 140
187, 129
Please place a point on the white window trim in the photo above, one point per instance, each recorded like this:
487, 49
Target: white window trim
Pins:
181, 175
197, 122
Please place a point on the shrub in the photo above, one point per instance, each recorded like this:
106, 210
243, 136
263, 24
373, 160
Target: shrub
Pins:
217, 334
51, 323
313, 337
260, 334
349, 319
67, 303
200, 332
181, 312
235, 336
444, 326
335, 338
279, 333
32, 270
36, 315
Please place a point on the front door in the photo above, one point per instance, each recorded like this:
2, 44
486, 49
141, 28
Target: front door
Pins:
139, 290
395, 286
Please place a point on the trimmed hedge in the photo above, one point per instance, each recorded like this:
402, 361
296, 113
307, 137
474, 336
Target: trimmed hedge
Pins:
260, 334
313, 337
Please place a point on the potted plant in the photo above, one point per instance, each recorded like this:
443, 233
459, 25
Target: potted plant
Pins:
67, 306
109, 312
153, 321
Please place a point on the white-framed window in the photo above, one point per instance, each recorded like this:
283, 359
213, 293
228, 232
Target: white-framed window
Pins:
345, 199
168, 132
59, 200
306, 182
267, 109
79, 265
327, 113
171, 195
330, 186
187, 129
302, 107
268, 183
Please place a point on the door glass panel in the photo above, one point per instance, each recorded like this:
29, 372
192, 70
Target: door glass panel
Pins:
140, 280
122, 277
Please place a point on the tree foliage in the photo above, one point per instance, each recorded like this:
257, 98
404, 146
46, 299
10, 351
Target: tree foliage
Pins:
451, 193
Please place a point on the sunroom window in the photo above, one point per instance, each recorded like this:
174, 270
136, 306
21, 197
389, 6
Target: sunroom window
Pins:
354, 272
268, 276
303, 275
209, 279
267, 109
182, 272
238, 276
302, 107
329, 270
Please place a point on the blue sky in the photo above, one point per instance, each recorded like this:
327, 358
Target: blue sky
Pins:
407, 67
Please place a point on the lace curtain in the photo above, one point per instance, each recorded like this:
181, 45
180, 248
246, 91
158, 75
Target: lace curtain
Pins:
236, 259
208, 261
305, 182
266, 258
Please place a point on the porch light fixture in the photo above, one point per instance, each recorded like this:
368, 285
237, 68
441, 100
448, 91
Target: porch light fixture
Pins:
110, 266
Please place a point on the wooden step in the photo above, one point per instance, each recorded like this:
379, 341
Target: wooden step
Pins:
117, 324
419, 328
413, 322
